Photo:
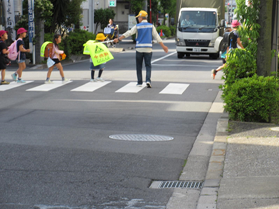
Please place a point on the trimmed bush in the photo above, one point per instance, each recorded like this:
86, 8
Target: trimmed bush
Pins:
240, 64
76, 40
253, 99
166, 30
73, 42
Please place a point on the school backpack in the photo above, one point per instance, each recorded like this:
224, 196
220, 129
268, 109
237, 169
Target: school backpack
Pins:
48, 50
229, 40
13, 53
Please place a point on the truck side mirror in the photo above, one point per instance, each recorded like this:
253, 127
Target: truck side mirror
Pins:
223, 23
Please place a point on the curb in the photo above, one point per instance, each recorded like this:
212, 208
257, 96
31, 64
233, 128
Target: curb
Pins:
198, 162
209, 193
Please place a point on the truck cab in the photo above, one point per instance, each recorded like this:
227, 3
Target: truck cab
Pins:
198, 32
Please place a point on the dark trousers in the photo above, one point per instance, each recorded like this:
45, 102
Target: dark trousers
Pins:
147, 59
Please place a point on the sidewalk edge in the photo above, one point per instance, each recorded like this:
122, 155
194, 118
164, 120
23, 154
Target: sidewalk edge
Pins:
209, 193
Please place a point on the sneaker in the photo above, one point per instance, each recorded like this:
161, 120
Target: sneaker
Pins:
21, 81
93, 80
48, 82
100, 79
4, 83
13, 76
66, 80
139, 85
148, 84
213, 72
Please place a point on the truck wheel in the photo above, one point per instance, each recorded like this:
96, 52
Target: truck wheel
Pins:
180, 55
214, 56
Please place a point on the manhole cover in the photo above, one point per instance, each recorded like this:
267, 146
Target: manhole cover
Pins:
141, 137
176, 184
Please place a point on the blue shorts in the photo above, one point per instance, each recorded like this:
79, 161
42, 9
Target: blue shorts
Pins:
20, 61
98, 67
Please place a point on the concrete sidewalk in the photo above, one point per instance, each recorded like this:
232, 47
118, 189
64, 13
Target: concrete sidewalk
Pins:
251, 171
243, 171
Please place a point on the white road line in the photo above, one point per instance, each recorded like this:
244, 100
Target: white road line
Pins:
163, 57
12, 85
174, 88
131, 88
91, 86
186, 65
48, 87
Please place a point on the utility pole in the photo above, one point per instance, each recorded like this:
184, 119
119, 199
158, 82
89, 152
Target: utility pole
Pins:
91, 16
150, 12
274, 64
145, 5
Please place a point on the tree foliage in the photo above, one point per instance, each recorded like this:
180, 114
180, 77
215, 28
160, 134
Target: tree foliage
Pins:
249, 32
102, 16
168, 6
43, 10
136, 6
65, 13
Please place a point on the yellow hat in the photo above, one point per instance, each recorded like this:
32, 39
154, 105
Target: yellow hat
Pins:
100, 37
142, 13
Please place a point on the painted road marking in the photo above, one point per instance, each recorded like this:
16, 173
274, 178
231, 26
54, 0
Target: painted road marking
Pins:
163, 57
91, 86
174, 88
12, 85
131, 88
48, 87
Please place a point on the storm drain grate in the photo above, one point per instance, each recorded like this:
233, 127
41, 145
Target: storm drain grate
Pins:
141, 137
177, 184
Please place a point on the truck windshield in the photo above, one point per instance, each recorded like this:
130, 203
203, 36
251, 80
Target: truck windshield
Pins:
193, 21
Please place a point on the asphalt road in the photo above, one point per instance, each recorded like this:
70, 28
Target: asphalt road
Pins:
55, 148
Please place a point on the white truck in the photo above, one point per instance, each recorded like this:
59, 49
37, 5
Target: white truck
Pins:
199, 30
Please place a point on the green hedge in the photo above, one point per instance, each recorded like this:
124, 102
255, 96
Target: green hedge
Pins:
240, 64
253, 99
73, 42
166, 30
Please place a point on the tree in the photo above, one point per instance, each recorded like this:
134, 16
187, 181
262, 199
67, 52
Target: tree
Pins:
65, 13
265, 39
168, 6
136, 6
154, 9
102, 16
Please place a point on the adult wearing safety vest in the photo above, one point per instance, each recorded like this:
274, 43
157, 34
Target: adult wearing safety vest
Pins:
144, 32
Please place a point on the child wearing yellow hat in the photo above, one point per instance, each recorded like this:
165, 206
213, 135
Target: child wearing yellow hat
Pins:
100, 37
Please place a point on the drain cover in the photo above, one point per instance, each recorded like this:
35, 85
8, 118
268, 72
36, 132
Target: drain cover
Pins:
141, 137
176, 184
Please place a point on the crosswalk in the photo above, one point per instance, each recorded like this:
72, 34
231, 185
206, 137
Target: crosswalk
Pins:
170, 88
13, 85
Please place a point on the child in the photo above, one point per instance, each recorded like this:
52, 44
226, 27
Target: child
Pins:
236, 41
3, 52
223, 56
56, 58
21, 32
101, 67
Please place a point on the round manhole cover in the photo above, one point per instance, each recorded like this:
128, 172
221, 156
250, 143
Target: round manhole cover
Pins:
141, 137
